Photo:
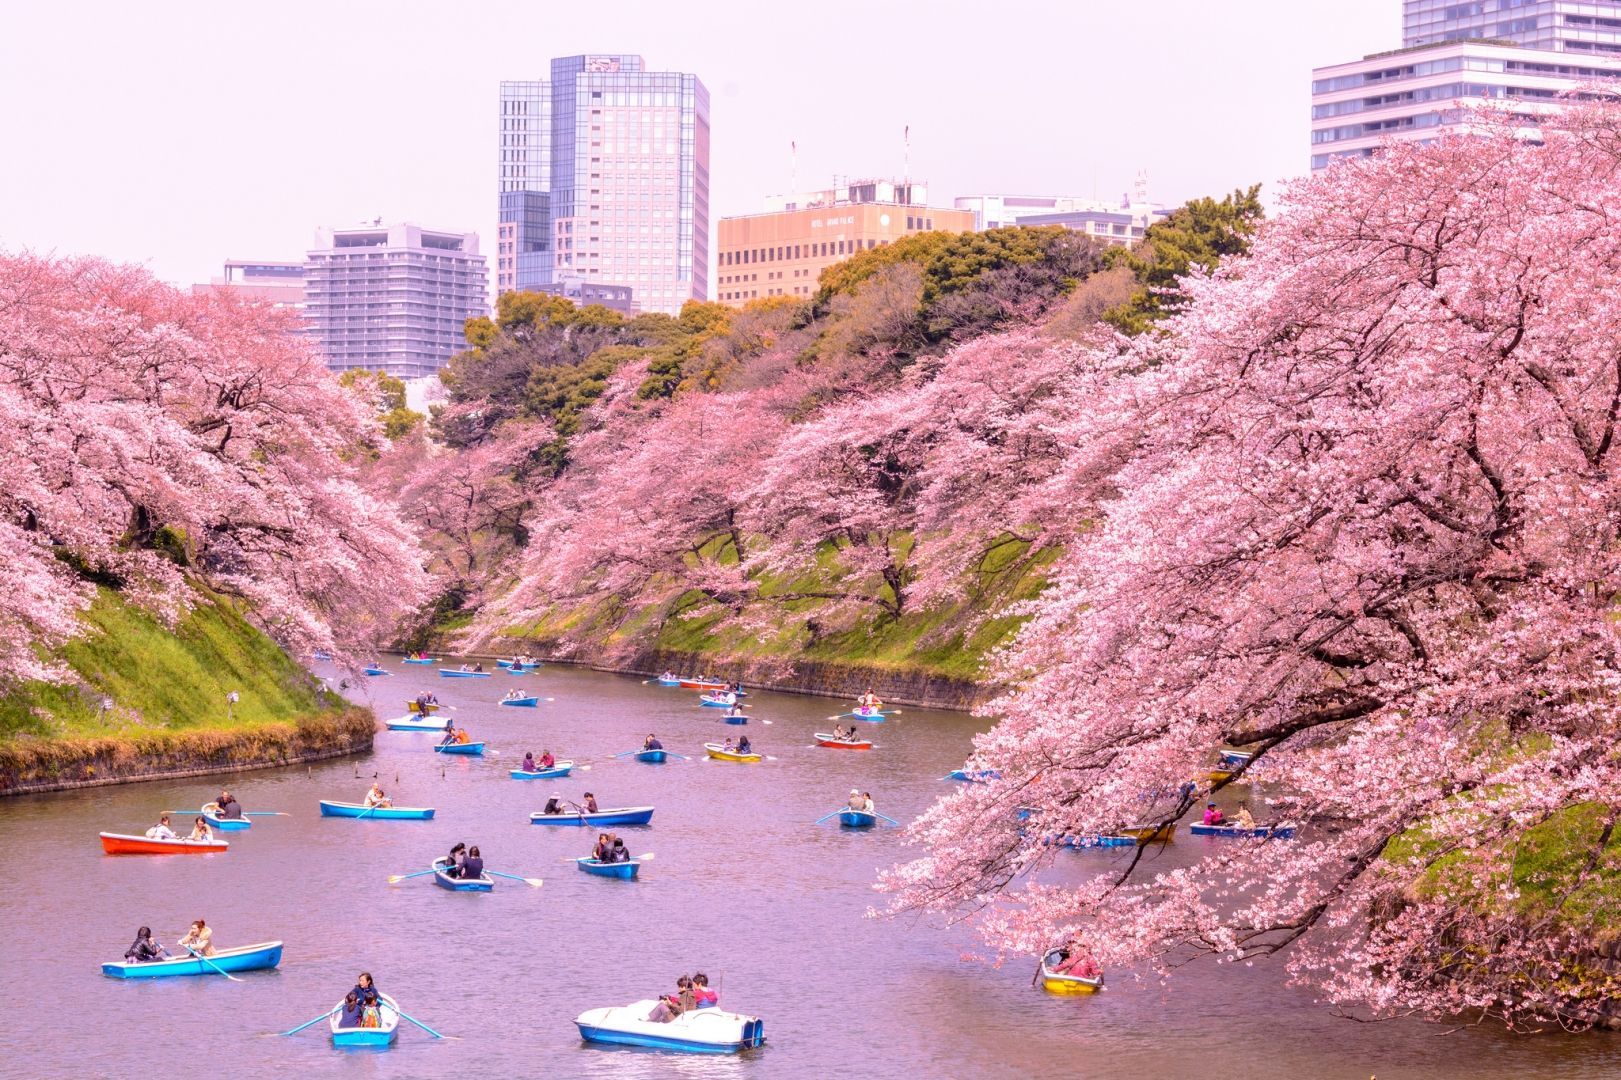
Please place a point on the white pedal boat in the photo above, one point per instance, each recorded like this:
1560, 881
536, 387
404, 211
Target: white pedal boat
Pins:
701, 1031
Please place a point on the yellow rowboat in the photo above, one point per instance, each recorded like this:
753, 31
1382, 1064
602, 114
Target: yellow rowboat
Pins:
1056, 983
720, 753
1150, 834
1220, 776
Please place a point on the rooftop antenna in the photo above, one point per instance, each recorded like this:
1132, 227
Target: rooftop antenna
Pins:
793, 170
906, 173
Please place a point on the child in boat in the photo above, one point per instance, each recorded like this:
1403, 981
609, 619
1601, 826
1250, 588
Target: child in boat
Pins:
145, 949
728, 747
161, 830
200, 830
377, 797
1245, 819
352, 1011
706, 998
1212, 816
199, 939
619, 852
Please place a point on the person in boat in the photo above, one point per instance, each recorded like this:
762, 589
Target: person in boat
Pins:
161, 830
554, 805
512, 694
146, 949
603, 848
200, 829
735, 710
462, 737
728, 747
856, 801
668, 676
199, 939
1213, 816
365, 990
546, 759
433, 698
590, 803
869, 700
1077, 961
743, 745
229, 808
673, 1005
652, 743
528, 762
1245, 820
457, 856
706, 998
450, 735
478, 668
353, 1011
473, 866
377, 796
618, 852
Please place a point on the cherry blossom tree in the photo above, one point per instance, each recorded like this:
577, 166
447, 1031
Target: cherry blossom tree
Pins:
152, 439
1358, 509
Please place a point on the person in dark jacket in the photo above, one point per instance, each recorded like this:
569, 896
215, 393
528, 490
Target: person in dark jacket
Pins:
146, 948
473, 865
365, 991
619, 852
353, 1011
652, 743
229, 808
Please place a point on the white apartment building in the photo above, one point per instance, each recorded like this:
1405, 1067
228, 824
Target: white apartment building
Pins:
1119, 222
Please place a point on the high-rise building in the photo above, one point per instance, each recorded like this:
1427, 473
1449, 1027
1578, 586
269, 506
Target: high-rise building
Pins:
279, 283
392, 298
1118, 223
782, 252
1524, 53
620, 178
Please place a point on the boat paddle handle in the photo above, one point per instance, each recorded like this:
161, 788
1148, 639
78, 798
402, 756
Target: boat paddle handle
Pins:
209, 962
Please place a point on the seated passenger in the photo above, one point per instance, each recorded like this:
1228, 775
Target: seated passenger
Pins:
229, 808
473, 865
619, 852
1245, 819
457, 856
603, 848
546, 759
554, 805
652, 743
1212, 816
590, 803
706, 997
528, 763
743, 745
376, 796
200, 830
145, 949
353, 1011
161, 830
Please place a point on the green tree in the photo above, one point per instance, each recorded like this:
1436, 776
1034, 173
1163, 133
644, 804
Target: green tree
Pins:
386, 394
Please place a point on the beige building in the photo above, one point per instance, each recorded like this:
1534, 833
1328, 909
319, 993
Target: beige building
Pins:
782, 251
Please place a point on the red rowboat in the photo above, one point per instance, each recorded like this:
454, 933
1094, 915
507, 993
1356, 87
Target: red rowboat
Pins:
824, 739
120, 844
694, 684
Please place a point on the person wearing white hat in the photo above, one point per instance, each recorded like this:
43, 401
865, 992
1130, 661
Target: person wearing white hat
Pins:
856, 801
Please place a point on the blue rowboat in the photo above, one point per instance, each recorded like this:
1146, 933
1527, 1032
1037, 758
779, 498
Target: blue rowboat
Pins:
1095, 841
375, 671
625, 815
515, 667
652, 757
560, 769
857, 819
476, 749
669, 682
417, 722
701, 1031
420, 660
224, 824
974, 776
1260, 832
717, 701
442, 878
1234, 759
241, 958
871, 715
388, 813
447, 673
388, 1015
522, 702
626, 870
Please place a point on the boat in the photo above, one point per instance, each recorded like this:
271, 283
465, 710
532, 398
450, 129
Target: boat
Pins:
702, 684
1234, 759
419, 660
870, 713
442, 878
652, 757
674, 681
210, 814
242, 958
835, 743
418, 722
738, 719
522, 668
857, 819
625, 815
974, 776
561, 769
451, 673
720, 753
1219, 776
1259, 832
476, 749
626, 870
411, 704
717, 701
1094, 841
124, 844
388, 1013
375, 671
1056, 983
522, 702
1150, 834
387, 813
700, 1031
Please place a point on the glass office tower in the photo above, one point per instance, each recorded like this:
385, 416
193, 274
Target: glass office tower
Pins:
627, 181
1576, 26
524, 241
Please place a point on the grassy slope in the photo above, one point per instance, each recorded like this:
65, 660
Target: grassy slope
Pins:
950, 640
162, 680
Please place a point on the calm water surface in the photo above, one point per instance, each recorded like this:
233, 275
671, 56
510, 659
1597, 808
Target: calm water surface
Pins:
742, 886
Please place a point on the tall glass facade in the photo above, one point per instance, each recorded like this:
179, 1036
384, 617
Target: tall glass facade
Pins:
1589, 26
524, 254
627, 183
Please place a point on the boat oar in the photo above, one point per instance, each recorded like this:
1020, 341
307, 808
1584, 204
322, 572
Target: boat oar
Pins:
265, 813
209, 962
891, 820
533, 882
834, 814
683, 757
395, 879
317, 1020
627, 753
407, 1016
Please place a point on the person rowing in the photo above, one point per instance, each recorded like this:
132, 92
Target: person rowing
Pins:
457, 856
546, 759
377, 796
473, 866
603, 850
554, 805
618, 852
199, 939
652, 743
734, 709
161, 830
1213, 816
869, 700
227, 808
668, 676
856, 801
145, 949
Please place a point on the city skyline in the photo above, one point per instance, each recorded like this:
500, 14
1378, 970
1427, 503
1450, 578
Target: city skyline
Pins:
235, 136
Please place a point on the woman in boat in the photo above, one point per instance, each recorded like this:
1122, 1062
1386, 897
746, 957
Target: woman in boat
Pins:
146, 948
673, 1005
1213, 816
473, 866
869, 700
735, 710
590, 803
668, 676
199, 939
603, 848
353, 1011
652, 743
479, 667
866, 802
707, 998
462, 738
200, 829
743, 745
365, 990
161, 830
546, 759
1077, 960
619, 852
554, 805
457, 854
528, 762
1245, 819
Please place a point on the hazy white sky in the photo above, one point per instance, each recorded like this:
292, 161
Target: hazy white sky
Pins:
177, 134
